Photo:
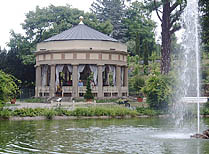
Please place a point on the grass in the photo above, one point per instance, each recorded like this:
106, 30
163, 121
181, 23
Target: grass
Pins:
9, 104
34, 100
147, 111
111, 100
50, 113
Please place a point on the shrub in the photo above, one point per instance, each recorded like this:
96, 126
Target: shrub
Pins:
158, 90
136, 83
8, 88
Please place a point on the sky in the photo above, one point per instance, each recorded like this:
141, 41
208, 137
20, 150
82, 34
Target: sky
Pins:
12, 13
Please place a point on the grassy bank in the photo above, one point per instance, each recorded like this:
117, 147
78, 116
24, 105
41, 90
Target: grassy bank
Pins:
50, 113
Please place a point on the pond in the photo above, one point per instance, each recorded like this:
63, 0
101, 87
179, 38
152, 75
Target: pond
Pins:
112, 136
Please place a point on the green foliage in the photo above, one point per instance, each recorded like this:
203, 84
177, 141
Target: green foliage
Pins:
158, 90
136, 83
205, 109
204, 20
50, 113
8, 88
140, 31
106, 100
19, 60
62, 112
113, 11
79, 99
29, 112
35, 100
5, 114
88, 94
147, 111
103, 111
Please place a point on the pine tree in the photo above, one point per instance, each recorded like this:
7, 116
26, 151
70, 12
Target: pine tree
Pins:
113, 11
88, 94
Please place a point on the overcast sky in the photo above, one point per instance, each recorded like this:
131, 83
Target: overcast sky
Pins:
12, 13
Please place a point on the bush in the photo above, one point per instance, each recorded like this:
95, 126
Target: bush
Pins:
8, 88
158, 89
136, 83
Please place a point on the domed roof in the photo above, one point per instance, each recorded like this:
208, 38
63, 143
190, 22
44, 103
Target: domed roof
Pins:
81, 32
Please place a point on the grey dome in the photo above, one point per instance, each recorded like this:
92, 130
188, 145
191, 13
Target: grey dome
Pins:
80, 32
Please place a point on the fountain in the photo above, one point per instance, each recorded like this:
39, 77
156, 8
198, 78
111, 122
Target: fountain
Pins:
189, 66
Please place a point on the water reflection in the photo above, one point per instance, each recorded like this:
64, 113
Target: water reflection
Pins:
127, 136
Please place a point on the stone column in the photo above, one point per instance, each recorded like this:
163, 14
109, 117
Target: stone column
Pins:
126, 78
38, 80
100, 82
75, 81
118, 80
53, 81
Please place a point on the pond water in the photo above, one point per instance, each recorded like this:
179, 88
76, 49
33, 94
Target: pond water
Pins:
112, 136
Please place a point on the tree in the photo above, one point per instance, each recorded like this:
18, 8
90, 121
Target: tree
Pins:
204, 20
171, 11
40, 25
88, 95
48, 21
141, 30
8, 88
114, 11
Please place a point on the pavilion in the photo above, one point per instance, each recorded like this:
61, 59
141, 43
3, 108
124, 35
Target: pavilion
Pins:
64, 60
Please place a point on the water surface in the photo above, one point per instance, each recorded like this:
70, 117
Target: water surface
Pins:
115, 136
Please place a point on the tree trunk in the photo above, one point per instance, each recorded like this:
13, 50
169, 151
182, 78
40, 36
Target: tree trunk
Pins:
166, 39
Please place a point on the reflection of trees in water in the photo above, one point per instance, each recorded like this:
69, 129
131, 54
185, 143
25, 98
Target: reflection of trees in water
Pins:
15, 132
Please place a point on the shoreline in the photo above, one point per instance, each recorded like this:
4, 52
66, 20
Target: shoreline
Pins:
16, 118
27, 118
